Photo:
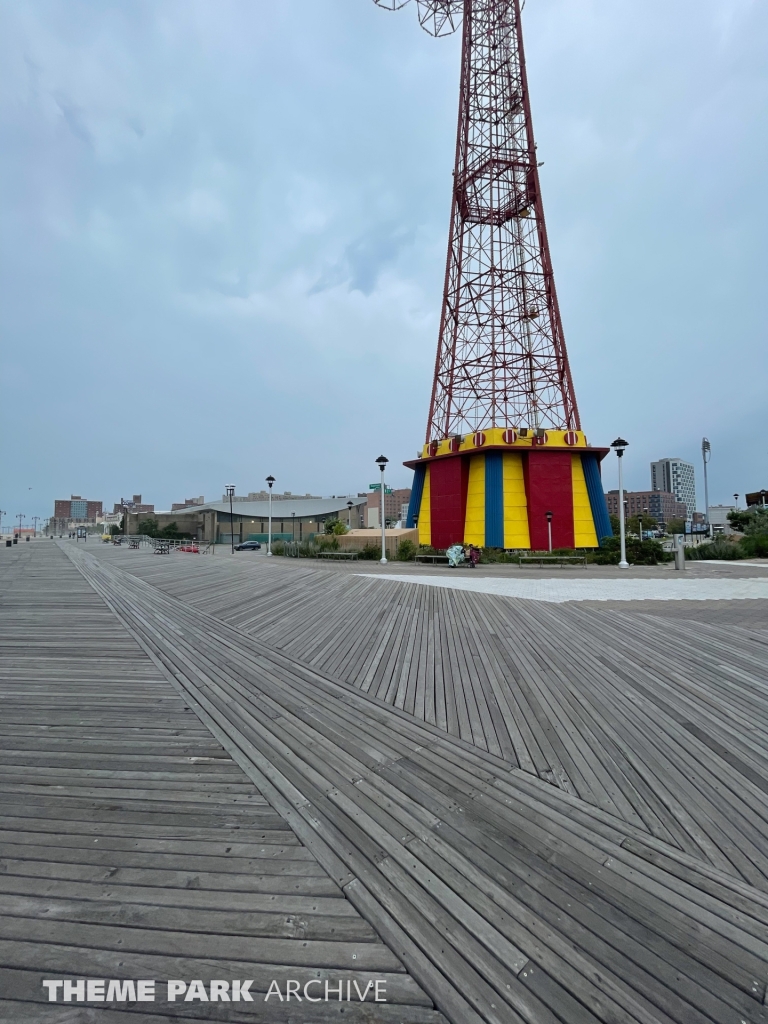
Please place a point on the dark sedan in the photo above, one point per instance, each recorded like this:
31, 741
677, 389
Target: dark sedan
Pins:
248, 545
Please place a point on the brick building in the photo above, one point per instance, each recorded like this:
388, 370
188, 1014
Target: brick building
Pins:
187, 503
394, 499
135, 505
77, 510
659, 505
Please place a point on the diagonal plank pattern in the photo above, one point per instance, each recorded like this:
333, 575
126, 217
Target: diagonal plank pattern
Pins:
506, 898
662, 726
132, 845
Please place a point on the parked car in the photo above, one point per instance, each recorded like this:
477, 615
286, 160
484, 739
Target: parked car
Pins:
248, 545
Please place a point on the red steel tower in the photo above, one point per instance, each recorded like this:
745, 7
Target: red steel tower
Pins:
502, 384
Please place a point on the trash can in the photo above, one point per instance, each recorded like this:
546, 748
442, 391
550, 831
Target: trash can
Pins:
9, 543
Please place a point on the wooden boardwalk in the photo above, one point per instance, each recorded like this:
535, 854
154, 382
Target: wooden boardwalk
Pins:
661, 724
132, 845
617, 876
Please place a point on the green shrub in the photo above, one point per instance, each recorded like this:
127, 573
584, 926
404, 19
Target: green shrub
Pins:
720, 549
406, 551
370, 551
755, 545
647, 552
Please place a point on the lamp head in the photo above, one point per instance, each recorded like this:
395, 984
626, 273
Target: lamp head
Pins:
270, 481
549, 516
381, 462
619, 445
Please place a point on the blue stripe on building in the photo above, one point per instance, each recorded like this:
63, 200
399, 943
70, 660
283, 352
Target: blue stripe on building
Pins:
494, 500
596, 496
417, 489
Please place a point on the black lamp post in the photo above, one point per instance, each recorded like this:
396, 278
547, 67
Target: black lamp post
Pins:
293, 527
381, 462
230, 494
270, 481
619, 445
350, 505
549, 530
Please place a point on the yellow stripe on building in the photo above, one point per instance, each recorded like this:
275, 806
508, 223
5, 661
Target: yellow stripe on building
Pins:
516, 533
474, 520
425, 521
583, 521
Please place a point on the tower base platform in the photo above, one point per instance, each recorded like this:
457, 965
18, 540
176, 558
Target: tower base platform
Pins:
494, 488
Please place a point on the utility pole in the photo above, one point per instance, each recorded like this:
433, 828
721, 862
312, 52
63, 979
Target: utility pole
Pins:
35, 520
20, 516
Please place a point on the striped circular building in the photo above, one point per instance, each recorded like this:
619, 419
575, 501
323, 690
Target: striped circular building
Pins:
494, 488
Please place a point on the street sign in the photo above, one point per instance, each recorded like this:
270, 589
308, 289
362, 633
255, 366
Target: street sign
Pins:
377, 487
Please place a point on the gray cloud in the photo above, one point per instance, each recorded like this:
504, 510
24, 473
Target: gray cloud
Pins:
224, 229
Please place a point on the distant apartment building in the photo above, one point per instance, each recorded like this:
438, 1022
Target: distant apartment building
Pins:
187, 503
394, 499
134, 505
77, 510
676, 477
659, 505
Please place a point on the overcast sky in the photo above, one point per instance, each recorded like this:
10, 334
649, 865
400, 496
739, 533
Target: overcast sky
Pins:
224, 229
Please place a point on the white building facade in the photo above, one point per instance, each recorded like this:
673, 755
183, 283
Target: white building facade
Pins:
679, 478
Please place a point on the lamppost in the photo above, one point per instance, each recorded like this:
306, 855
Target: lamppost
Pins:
270, 481
641, 517
35, 520
230, 493
762, 495
293, 527
549, 530
2, 513
350, 505
735, 501
381, 462
619, 446
706, 454
20, 516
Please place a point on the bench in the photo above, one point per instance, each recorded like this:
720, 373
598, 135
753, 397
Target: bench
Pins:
432, 559
560, 560
337, 554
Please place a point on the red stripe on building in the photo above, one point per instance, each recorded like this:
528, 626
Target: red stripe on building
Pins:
549, 488
448, 479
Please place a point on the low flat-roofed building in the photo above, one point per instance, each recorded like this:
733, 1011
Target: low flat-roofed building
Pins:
298, 519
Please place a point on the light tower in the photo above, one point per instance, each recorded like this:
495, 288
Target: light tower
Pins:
504, 442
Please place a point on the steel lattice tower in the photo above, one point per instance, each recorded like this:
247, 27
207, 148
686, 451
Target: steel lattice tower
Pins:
501, 356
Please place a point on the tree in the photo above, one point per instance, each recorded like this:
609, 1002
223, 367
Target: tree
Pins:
614, 524
675, 526
335, 527
648, 523
751, 521
148, 528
